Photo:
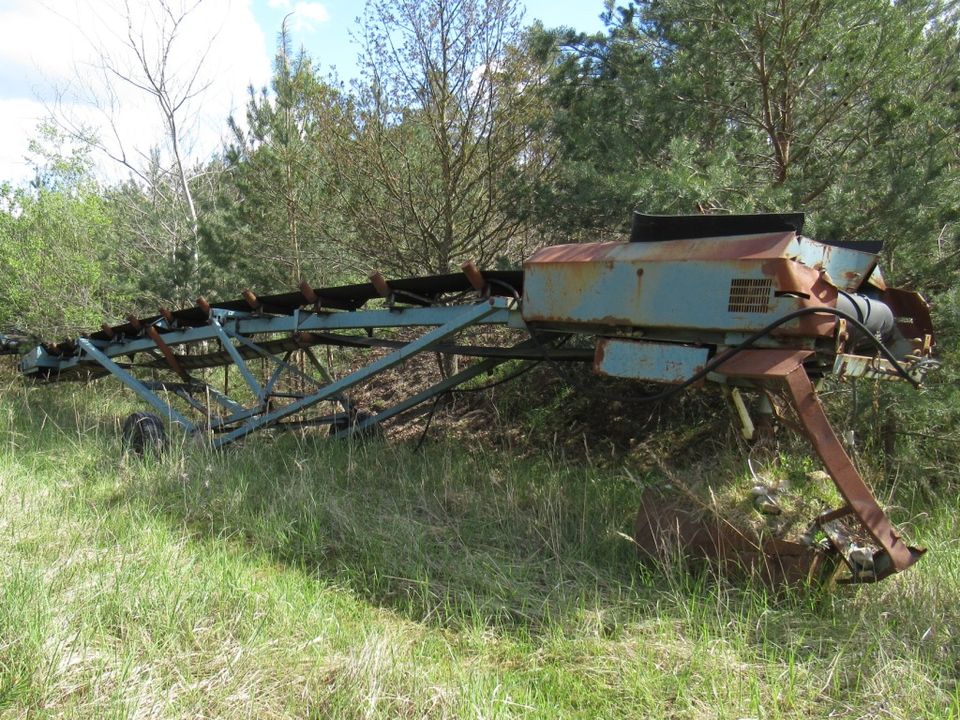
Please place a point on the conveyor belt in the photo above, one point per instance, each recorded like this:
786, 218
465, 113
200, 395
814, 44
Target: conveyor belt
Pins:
421, 291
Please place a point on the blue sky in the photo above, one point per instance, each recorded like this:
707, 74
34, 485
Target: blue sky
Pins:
48, 64
328, 41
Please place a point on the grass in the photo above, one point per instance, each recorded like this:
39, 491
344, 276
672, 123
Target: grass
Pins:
302, 578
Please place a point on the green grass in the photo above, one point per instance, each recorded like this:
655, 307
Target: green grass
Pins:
293, 578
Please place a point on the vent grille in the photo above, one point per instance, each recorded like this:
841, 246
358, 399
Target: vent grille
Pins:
750, 295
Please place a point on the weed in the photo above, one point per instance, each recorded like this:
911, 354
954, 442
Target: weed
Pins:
293, 577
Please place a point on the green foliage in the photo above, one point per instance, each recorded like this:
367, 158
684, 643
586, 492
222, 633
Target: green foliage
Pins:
597, 91
55, 256
847, 111
153, 235
280, 223
435, 163
369, 581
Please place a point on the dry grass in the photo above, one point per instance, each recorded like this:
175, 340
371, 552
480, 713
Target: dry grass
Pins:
292, 578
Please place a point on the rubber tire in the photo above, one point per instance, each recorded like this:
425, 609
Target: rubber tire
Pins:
143, 433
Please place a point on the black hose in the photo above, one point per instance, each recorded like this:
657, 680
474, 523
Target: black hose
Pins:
718, 360
426, 427
763, 332
852, 302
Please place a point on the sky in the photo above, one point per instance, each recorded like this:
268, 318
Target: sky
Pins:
48, 65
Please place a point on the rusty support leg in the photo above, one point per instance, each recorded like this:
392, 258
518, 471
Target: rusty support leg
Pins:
862, 503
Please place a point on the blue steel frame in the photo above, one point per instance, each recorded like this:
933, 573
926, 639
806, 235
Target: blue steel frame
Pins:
233, 330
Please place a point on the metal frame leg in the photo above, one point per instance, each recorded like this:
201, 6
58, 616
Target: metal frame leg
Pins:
138, 387
237, 359
860, 501
469, 317
786, 367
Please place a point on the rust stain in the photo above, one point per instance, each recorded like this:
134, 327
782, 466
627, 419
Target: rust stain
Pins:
578, 252
663, 526
750, 247
598, 355
754, 364
792, 277
912, 312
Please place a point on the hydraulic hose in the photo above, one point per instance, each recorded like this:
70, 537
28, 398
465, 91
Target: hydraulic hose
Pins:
763, 332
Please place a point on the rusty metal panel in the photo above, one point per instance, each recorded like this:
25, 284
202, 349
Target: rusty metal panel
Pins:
911, 312
846, 365
759, 364
653, 362
847, 268
734, 284
666, 527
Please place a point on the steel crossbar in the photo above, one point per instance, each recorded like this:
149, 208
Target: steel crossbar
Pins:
234, 332
464, 319
163, 407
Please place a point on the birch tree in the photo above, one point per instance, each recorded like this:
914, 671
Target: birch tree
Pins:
145, 50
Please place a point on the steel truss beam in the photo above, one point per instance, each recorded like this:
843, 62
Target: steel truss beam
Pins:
40, 362
233, 332
465, 318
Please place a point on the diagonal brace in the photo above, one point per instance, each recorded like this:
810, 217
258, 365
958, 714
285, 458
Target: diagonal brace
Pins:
138, 387
472, 315
237, 359
414, 400
461, 377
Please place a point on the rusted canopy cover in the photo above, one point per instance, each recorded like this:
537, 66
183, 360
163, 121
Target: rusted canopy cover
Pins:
723, 284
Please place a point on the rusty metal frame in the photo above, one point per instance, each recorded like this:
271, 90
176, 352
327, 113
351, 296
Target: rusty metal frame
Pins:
895, 555
785, 368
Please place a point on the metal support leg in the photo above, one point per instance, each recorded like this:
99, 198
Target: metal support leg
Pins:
786, 367
860, 500
237, 359
484, 366
138, 387
470, 316
183, 391
224, 401
344, 400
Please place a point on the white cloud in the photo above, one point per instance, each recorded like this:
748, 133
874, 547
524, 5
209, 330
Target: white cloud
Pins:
306, 15
47, 52
18, 119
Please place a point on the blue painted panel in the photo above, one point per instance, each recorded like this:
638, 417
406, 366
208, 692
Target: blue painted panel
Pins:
846, 268
654, 362
626, 287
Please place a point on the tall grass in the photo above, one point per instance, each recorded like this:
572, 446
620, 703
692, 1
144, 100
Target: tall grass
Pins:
293, 577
